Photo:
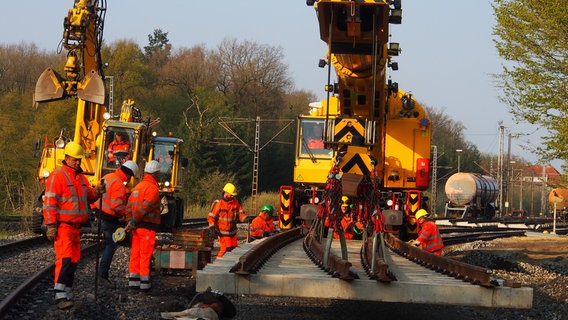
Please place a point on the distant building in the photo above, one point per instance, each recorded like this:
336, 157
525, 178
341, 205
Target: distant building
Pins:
532, 183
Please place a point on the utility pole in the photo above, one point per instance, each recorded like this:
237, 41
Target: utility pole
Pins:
543, 207
509, 174
225, 124
500, 169
434, 199
254, 191
110, 95
459, 152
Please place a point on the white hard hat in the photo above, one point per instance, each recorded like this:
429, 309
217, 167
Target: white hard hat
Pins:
152, 167
132, 166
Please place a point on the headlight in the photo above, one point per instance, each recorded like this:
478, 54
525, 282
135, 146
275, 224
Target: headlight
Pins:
167, 183
45, 173
60, 143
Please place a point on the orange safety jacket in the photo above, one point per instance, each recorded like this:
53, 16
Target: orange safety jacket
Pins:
225, 215
429, 237
117, 146
114, 198
144, 203
262, 223
67, 197
315, 144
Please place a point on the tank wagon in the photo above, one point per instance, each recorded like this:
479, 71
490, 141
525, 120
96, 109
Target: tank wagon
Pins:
472, 195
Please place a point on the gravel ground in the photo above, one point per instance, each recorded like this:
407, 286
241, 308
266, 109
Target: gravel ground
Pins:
541, 265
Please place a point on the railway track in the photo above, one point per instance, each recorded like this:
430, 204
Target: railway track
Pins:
339, 267
27, 263
21, 278
268, 267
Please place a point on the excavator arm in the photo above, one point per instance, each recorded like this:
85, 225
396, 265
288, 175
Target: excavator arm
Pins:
82, 79
82, 37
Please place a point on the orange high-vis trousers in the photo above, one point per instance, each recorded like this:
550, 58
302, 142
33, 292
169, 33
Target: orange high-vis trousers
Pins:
67, 255
227, 243
143, 241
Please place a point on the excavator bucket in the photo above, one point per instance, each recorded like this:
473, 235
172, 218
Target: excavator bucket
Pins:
48, 86
92, 88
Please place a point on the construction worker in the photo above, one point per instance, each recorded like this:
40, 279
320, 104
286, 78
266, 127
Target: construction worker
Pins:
118, 150
263, 224
208, 305
112, 214
65, 208
315, 141
223, 217
348, 224
428, 235
143, 216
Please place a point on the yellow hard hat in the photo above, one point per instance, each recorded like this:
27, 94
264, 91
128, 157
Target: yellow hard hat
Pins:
73, 149
230, 189
345, 202
421, 213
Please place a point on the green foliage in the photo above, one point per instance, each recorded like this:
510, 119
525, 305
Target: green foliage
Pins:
210, 187
532, 37
190, 91
195, 210
158, 50
447, 136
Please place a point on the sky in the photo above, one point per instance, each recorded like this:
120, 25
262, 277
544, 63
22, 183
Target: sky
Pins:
447, 60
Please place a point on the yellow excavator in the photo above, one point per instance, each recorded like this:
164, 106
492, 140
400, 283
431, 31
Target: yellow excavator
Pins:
95, 128
375, 138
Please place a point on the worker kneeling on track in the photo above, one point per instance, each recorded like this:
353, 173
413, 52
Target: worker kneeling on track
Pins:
263, 224
428, 235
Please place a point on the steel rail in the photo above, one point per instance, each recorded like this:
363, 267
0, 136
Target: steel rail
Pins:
336, 266
252, 260
486, 236
16, 245
32, 281
457, 269
379, 270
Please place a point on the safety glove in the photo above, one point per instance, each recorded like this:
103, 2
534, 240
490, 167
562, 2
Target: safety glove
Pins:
100, 189
51, 232
131, 224
415, 243
214, 230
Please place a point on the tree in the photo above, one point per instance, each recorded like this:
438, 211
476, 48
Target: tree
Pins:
132, 76
447, 136
532, 37
253, 77
158, 49
21, 65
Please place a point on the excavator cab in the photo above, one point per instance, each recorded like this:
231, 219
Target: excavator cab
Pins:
118, 148
168, 151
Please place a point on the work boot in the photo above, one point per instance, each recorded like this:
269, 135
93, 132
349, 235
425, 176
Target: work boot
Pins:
105, 282
64, 304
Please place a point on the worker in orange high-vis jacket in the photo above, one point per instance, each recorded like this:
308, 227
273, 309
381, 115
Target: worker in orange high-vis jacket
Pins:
263, 224
65, 208
143, 216
428, 235
113, 214
223, 218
